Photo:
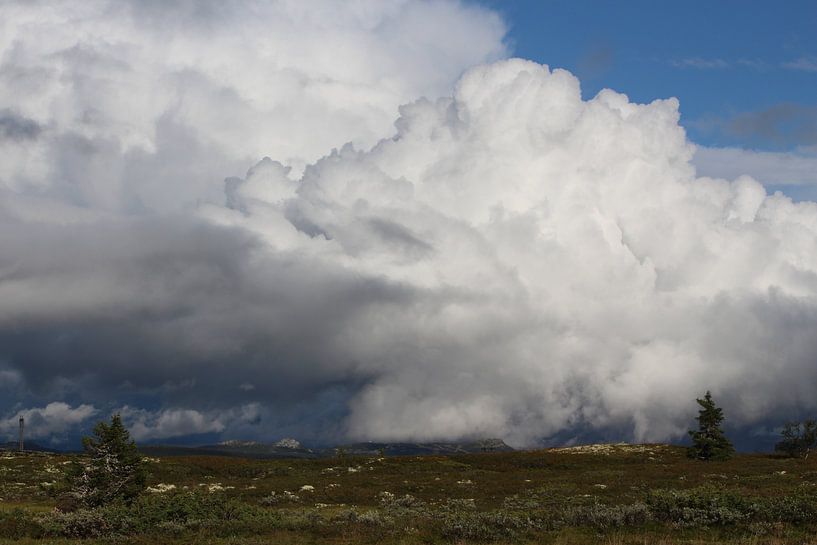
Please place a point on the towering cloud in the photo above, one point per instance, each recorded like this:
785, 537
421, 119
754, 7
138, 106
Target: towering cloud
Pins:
510, 261
561, 266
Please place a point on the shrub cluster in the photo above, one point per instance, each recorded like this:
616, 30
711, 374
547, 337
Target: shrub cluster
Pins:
181, 511
601, 516
169, 513
699, 507
484, 525
710, 506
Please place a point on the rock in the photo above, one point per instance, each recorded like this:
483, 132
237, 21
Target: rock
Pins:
288, 443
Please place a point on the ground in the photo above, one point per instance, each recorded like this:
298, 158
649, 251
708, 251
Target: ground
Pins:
610, 494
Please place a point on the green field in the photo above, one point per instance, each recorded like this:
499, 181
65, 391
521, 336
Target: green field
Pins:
618, 494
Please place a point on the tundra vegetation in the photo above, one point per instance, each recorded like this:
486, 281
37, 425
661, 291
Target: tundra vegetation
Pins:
612, 494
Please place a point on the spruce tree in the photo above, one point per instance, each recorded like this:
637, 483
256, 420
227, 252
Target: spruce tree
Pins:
709, 441
798, 439
114, 469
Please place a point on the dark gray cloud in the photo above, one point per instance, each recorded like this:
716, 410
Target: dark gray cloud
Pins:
156, 301
595, 61
14, 126
784, 124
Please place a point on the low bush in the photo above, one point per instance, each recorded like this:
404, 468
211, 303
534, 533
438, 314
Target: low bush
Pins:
274, 498
157, 513
798, 508
484, 525
603, 516
181, 512
17, 524
700, 507
82, 523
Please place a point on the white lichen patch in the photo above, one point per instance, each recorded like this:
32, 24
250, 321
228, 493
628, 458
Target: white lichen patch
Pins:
215, 487
161, 488
607, 449
385, 497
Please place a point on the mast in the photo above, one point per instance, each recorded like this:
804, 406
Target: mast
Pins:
22, 429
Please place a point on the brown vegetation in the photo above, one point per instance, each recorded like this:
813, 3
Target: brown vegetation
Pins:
616, 494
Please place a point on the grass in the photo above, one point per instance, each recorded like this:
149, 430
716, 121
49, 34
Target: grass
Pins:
650, 494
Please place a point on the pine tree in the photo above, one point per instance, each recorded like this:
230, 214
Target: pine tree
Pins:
798, 439
709, 441
114, 470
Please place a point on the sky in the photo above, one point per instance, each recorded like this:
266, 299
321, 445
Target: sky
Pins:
406, 220
745, 72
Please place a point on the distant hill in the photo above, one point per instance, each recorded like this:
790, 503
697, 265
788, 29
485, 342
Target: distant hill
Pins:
290, 448
417, 449
29, 447
242, 449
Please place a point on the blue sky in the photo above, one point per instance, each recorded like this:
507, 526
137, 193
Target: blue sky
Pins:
745, 72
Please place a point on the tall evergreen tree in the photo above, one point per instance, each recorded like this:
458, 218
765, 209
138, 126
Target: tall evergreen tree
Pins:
114, 469
709, 441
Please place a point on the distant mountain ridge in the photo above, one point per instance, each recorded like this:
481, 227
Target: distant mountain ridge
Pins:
290, 448
414, 449
29, 447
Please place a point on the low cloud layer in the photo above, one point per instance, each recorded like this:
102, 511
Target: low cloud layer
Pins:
146, 425
47, 422
507, 261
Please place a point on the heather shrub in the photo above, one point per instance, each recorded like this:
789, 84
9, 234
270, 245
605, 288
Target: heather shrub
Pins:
375, 518
484, 526
82, 523
699, 507
404, 506
797, 509
521, 503
162, 513
603, 516
17, 524
274, 498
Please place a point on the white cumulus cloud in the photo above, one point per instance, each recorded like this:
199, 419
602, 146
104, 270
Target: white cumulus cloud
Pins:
172, 422
129, 106
770, 167
566, 264
55, 419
